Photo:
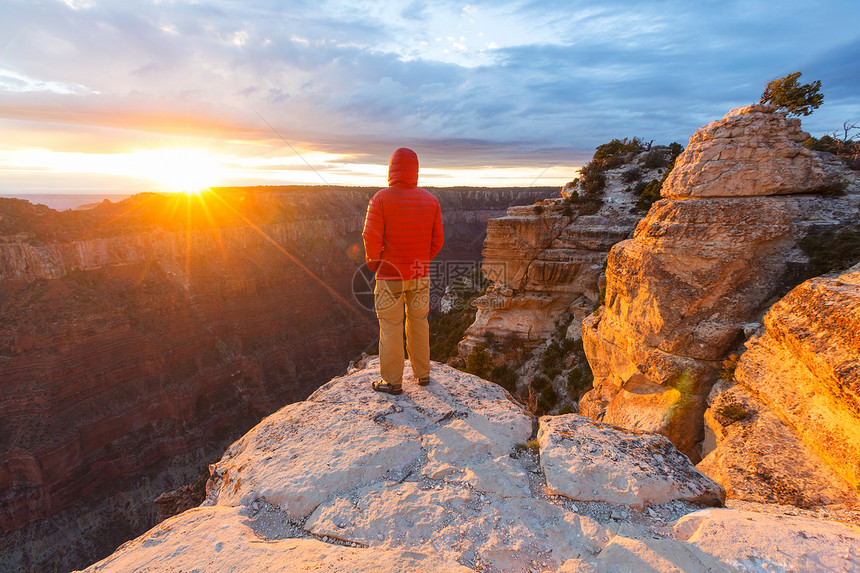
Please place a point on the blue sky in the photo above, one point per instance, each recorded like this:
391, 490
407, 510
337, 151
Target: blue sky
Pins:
129, 96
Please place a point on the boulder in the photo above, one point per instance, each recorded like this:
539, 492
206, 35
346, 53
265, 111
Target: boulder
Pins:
752, 151
586, 460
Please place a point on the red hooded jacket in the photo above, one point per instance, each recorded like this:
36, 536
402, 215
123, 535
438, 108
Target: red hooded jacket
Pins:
403, 227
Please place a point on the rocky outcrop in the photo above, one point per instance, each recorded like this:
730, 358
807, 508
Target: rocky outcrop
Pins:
438, 479
787, 429
700, 266
138, 342
752, 151
545, 260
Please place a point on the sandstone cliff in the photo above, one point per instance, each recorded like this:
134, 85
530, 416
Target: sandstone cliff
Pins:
786, 429
139, 339
440, 479
704, 263
546, 262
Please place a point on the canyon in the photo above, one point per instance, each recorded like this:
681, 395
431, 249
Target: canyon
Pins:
139, 339
720, 432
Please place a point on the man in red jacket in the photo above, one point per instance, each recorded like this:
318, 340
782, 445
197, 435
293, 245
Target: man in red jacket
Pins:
402, 234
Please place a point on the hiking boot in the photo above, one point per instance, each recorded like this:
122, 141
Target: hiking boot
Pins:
424, 381
383, 386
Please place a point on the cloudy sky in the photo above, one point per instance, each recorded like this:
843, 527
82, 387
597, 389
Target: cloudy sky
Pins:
121, 96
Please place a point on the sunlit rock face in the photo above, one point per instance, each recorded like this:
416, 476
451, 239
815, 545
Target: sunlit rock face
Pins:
439, 479
699, 267
792, 411
139, 339
546, 260
752, 151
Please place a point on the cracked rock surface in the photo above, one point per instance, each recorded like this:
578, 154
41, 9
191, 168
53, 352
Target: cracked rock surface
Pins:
587, 460
449, 478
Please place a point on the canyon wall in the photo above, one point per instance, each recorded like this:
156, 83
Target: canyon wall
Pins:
786, 427
704, 265
545, 260
139, 339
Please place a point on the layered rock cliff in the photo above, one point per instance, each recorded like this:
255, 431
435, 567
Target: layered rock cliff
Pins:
448, 478
545, 261
786, 427
139, 339
705, 262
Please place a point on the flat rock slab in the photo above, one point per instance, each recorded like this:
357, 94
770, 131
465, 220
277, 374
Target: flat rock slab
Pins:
346, 436
749, 541
731, 540
591, 461
454, 521
221, 540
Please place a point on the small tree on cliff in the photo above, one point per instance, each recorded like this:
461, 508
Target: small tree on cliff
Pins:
797, 99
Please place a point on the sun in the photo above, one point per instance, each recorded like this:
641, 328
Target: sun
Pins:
174, 170
186, 170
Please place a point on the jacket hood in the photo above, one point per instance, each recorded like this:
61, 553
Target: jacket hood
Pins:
403, 167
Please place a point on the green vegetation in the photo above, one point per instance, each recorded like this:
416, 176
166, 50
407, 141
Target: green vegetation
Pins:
532, 446
606, 156
649, 193
832, 250
578, 383
593, 180
583, 205
632, 174
539, 382
547, 401
565, 359
845, 146
504, 376
617, 147
655, 160
447, 328
795, 98
479, 362
618, 152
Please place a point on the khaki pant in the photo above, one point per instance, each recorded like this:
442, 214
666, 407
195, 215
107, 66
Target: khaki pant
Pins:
389, 300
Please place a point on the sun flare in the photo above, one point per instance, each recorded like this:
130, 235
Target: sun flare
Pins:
184, 170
